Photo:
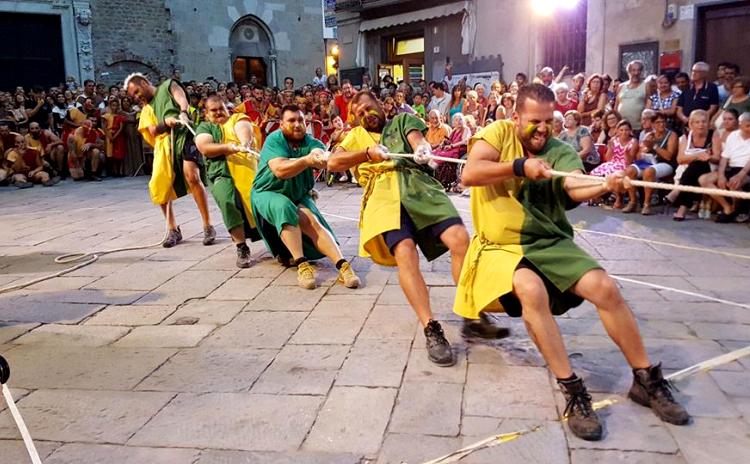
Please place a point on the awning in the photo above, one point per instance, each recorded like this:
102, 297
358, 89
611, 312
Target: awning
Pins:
413, 16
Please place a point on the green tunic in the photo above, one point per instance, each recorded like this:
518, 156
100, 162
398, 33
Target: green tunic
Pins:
164, 107
275, 201
222, 187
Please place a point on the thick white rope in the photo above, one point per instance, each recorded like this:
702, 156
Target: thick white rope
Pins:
27, 441
601, 180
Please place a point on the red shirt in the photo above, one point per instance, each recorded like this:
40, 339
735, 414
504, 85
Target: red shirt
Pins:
572, 105
343, 106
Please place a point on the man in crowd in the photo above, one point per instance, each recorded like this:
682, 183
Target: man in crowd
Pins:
343, 101
164, 124
89, 91
85, 149
253, 106
320, 79
37, 108
524, 261
230, 174
287, 218
701, 95
631, 96
7, 137
25, 165
47, 143
440, 100
289, 83
725, 85
404, 207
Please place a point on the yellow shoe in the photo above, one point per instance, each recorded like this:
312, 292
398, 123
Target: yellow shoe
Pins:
348, 277
306, 276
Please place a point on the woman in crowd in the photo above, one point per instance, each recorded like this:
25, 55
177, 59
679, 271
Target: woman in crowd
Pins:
457, 101
622, 151
437, 132
481, 97
694, 157
609, 127
651, 86
579, 138
20, 116
732, 172
607, 89
578, 81
493, 109
513, 88
508, 103
597, 123
389, 107
593, 99
499, 87
557, 124
116, 147
739, 100
657, 161
454, 147
664, 100
472, 106
563, 104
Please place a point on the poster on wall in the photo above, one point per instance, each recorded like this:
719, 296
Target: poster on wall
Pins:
472, 79
646, 52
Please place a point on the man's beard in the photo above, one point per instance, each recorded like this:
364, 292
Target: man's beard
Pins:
36, 135
294, 136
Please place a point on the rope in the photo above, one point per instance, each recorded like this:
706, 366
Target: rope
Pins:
601, 180
27, 441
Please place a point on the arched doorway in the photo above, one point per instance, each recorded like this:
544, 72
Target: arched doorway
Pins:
252, 52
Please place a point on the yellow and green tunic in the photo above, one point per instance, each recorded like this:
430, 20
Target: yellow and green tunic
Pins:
393, 184
167, 179
230, 177
519, 220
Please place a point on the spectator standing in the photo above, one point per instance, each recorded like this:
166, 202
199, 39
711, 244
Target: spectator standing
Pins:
701, 95
401, 105
20, 115
440, 100
320, 79
593, 99
631, 96
725, 81
664, 101
343, 101
89, 91
418, 106
38, 109
133, 144
116, 148
472, 106
457, 102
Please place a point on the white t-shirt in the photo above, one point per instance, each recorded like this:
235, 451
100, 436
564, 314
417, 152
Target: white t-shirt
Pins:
736, 150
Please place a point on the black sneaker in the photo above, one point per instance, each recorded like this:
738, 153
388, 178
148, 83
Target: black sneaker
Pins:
438, 349
483, 328
651, 390
173, 238
209, 235
582, 419
243, 256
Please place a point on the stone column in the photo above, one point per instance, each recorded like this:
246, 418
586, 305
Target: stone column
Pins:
272, 59
82, 11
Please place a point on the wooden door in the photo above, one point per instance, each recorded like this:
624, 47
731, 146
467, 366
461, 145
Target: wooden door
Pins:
724, 35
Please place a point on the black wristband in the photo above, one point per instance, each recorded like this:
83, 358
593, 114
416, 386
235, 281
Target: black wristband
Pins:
518, 165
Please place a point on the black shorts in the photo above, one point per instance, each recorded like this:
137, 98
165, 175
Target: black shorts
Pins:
409, 230
560, 302
190, 152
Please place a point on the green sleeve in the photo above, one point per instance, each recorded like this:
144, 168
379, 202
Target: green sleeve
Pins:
274, 147
211, 129
409, 123
565, 158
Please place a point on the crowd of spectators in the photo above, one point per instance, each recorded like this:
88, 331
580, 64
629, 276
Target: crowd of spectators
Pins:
669, 128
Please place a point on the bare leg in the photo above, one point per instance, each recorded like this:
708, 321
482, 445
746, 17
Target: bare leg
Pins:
411, 280
58, 158
709, 181
321, 237
166, 209
632, 173
649, 175
238, 235
291, 236
457, 240
531, 292
598, 288
192, 177
95, 155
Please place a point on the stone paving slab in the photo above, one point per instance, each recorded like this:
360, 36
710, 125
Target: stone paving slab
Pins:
79, 453
375, 363
207, 312
261, 457
78, 335
257, 329
130, 315
166, 336
240, 421
302, 370
623, 457
14, 451
85, 416
9, 332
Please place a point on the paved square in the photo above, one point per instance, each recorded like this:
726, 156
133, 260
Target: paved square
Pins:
175, 356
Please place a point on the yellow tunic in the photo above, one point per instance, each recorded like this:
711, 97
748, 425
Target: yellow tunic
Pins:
241, 166
162, 175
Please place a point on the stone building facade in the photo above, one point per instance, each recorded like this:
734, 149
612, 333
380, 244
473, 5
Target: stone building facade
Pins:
105, 40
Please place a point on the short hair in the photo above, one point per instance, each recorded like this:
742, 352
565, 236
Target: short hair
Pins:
471, 93
561, 86
638, 63
660, 117
702, 65
135, 77
744, 117
733, 112
37, 89
363, 93
649, 114
345, 81
87, 82
289, 108
289, 78
537, 92
599, 114
681, 74
546, 70
522, 75
558, 116
733, 66
624, 122
696, 113
214, 97
743, 81
576, 115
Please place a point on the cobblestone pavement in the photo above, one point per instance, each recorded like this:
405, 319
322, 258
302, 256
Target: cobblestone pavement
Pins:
176, 356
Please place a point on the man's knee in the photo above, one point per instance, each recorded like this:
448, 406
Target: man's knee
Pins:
192, 177
405, 249
305, 221
530, 289
649, 174
456, 238
631, 172
605, 288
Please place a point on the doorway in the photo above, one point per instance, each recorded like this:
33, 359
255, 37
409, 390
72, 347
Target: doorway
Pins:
405, 58
722, 35
34, 58
244, 67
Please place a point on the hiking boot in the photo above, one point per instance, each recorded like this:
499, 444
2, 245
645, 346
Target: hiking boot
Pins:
348, 277
243, 256
651, 390
483, 328
306, 276
209, 235
23, 185
631, 207
582, 419
438, 349
173, 238
284, 261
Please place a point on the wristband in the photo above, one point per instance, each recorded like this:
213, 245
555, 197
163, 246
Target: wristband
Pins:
518, 167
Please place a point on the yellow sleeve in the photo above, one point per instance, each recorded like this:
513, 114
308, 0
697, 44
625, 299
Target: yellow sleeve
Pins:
499, 134
356, 140
147, 119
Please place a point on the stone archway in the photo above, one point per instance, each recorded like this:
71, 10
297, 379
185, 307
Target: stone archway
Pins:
252, 51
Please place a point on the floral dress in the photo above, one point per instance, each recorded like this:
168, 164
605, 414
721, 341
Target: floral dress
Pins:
618, 161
